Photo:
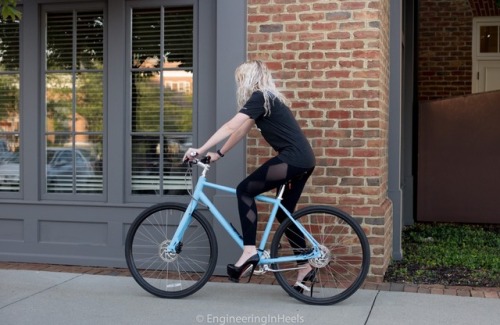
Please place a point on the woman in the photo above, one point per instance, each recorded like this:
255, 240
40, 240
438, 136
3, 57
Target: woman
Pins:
262, 104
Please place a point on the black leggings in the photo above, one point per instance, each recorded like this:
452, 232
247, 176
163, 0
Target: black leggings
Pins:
270, 175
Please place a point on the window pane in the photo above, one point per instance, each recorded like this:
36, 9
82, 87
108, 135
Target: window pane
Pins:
145, 164
59, 101
9, 45
175, 179
145, 101
488, 39
89, 40
89, 103
179, 36
9, 163
146, 36
149, 169
9, 106
9, 103
59, 49
75, 169
178, 101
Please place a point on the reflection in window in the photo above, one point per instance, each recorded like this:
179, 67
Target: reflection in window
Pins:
161, 99
74, 102
9, 106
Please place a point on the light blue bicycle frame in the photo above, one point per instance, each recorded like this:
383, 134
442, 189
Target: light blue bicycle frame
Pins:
199, 196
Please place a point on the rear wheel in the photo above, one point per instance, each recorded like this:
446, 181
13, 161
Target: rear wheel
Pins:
164, 274
344, 260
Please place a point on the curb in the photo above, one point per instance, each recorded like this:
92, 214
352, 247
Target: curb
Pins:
462, 291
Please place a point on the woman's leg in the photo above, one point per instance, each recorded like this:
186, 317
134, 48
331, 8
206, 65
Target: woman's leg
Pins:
290, 198
270, 175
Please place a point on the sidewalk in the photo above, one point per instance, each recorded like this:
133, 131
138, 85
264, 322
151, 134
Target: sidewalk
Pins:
51, 297
462, 291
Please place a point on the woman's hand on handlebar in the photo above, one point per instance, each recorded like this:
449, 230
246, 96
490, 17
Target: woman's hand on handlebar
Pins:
191, 154
214, 156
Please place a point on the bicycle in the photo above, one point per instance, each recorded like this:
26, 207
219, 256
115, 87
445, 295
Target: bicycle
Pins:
171, 248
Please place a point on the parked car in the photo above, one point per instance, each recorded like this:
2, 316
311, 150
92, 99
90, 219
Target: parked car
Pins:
9, 173
5, 153
59, 169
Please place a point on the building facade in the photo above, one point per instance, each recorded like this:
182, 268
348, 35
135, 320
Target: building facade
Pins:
99, 100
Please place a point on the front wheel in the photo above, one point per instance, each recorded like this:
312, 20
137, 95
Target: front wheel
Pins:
170, 274
344, 261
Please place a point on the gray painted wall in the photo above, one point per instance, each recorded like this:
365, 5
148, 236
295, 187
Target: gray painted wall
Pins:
37, 229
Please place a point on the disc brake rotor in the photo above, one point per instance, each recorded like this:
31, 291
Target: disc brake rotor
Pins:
164, 254
323, 259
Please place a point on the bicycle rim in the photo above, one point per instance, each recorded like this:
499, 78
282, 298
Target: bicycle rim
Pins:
170, 275
345, 259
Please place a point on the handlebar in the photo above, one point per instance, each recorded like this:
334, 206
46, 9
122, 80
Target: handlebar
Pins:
203, 162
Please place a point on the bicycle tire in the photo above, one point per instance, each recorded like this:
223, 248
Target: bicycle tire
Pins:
345, 255
170, 275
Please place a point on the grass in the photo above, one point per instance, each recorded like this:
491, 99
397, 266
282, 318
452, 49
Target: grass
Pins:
449, 254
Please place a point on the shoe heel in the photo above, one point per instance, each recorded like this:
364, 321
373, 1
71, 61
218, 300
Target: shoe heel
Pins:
251, 273
235, 273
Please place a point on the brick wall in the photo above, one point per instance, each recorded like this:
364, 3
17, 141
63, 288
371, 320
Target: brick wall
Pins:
445, 49
331, 60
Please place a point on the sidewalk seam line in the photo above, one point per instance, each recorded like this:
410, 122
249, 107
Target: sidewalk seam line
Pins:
371, 307
39, 292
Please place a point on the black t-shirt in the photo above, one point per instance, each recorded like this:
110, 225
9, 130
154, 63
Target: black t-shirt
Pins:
280, 130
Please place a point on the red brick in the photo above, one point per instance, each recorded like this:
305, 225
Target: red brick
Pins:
258, 18
311, 17
348, 45
279, 18
353, 5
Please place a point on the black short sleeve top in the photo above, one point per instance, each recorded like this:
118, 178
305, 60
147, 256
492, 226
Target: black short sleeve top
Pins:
280, 130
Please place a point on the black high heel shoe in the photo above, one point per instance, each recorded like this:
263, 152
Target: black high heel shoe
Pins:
236, 272
310, 276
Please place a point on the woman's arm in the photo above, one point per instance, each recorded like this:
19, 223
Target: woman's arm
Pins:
237, 136
233, 139
223, 132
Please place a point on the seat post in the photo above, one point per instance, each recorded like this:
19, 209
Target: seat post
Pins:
281, 191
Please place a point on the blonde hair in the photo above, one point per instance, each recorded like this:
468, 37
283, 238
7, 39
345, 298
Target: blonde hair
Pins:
254, 76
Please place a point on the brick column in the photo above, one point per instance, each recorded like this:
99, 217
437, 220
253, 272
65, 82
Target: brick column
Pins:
331, 58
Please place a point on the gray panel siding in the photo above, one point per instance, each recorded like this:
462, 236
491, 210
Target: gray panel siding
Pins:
76, 233
11, 230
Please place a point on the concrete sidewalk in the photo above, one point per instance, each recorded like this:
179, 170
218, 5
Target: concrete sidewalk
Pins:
39, 297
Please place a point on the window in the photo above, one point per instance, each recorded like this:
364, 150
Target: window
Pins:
487, 37
74, 101
9, 106
161, 99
